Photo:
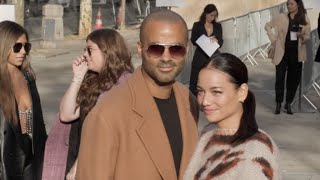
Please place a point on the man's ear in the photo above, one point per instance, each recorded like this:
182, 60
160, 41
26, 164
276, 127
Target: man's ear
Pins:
139, 48
243, 92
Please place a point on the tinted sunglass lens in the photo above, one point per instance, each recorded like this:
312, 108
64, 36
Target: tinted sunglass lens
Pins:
177, 51
27, 47
155, 51
17, 47
88, 50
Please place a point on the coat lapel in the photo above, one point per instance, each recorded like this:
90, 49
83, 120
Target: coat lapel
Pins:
151, 129
188, 122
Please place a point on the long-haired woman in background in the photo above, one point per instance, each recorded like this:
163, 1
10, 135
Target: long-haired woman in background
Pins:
292, 30
105, 63
23, 132
207, 25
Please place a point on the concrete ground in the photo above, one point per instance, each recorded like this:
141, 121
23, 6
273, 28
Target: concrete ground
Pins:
296, 135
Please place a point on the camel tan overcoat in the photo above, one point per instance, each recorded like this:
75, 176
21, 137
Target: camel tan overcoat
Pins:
123, 137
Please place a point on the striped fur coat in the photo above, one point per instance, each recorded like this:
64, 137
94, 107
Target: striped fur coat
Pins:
214, 158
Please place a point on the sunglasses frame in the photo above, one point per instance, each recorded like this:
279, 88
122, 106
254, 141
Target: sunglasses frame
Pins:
89, 50
16, 49
166, 46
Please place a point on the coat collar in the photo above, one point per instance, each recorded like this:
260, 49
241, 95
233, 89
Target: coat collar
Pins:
152, 131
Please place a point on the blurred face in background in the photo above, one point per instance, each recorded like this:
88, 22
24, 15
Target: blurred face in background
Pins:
94, 56
210, 17
292, 6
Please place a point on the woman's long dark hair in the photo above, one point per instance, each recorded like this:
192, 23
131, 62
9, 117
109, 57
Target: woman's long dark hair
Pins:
118, 62
300, 17
10, 32
207, 10
238, 73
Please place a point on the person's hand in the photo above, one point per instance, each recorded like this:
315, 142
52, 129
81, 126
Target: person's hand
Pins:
80, 67
299, 34
213, 39
72, 173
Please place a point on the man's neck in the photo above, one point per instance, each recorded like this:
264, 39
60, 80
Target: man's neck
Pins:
156, 90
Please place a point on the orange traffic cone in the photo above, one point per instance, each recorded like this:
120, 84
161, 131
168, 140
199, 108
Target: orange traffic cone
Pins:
118, 20
98, 20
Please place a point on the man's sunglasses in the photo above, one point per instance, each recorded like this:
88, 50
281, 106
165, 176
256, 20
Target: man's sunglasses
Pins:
156, 50
17, 47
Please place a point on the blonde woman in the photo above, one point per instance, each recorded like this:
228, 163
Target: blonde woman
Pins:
23, 134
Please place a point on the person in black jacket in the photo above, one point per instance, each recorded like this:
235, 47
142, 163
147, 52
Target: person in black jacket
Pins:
317, 59
208, 26
22, 129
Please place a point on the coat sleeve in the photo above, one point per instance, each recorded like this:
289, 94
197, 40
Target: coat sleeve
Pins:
98, 148
306, 30
270, 27
195, 32
219, 35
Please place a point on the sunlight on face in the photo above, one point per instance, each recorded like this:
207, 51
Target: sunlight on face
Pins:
17, 59
218, 98
95, 58
164, 69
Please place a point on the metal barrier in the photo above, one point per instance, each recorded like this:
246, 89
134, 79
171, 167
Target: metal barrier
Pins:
310, 73
244, 36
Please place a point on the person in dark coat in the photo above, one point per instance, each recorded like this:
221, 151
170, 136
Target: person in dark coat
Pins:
22, 129
208, 26
317, 59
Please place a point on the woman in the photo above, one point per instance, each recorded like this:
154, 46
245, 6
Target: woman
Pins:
23, 132
208, 26
292, 30
231, 146
106, 62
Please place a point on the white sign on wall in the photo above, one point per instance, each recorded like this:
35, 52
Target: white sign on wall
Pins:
169, 3
7, 12
311, 4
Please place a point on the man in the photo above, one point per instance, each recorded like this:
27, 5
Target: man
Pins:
144, 129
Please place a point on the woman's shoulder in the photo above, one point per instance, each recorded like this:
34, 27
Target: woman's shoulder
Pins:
28, 75
261, 142
217, 25
124, 76
197, 24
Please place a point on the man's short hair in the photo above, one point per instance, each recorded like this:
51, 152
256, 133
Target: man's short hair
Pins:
163, 15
